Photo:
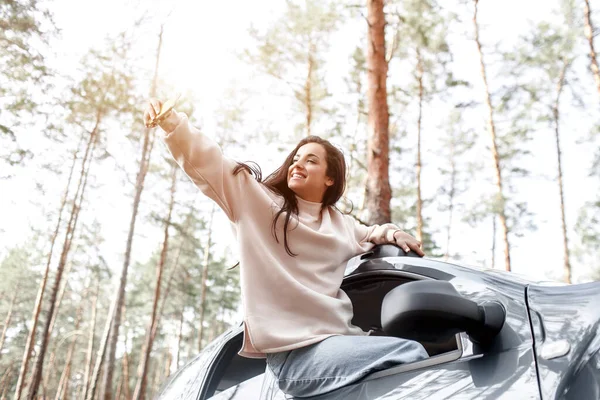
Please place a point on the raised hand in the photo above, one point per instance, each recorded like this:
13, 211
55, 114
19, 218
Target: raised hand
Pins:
158, 113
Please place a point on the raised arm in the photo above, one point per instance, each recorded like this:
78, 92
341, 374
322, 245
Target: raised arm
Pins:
203, 162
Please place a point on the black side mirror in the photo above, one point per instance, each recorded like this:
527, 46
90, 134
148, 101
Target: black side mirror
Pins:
431, 310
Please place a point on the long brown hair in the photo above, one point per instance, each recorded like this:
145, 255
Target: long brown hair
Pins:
277, 183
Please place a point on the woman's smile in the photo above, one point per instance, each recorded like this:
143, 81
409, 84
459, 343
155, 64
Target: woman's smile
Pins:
298, 175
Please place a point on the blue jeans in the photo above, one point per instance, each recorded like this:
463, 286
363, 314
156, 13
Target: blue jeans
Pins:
339, 361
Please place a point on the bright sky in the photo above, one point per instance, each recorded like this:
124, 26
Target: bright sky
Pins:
201, 41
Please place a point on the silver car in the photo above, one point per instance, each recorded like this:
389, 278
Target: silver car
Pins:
489, 334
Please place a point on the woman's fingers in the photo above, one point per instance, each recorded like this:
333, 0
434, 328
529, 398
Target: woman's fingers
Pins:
151, 111
156, 105
416, 247
403, 245
412, 245
407, 243
147, 115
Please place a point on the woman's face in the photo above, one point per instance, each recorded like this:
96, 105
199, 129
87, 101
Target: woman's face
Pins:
307, 176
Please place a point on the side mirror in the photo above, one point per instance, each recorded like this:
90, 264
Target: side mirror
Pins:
431, 310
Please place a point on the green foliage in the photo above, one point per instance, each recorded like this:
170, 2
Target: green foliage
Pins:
25, 29
26, 26
21, 274
456, 171
404, 210
291, 51
421, 30
419, 44
106, 84
293, 54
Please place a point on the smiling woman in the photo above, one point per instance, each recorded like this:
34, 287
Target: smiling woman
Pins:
293, 303
308, 175
315, 171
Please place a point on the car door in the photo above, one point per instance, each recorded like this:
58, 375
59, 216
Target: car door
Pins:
505, 370
456, 370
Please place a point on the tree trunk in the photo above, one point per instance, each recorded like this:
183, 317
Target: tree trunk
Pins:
213, 332
179, 339
8, 318
63, 383
139, 187
220, 313
120, 294
556, 115
61, 295
168, 362
140, 389
50, 370
308, 89
205, 278
379, 192
451, 195
40, 295
5, 380
167, 289
496, 157
493, 241
119, 388
126, 376
90, 346
71, 227
419, 197
101, 351
157, 376
589, 34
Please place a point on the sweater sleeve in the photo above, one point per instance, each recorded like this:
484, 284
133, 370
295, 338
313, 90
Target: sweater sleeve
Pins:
376, 234
204, 163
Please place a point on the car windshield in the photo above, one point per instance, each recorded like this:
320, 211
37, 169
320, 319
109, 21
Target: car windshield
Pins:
186, 383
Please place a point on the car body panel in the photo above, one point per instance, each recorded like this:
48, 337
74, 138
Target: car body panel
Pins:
188, 382
566, 325
452, 380
456, 380
510, 369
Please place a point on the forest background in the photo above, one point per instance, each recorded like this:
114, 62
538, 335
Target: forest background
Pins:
481, 115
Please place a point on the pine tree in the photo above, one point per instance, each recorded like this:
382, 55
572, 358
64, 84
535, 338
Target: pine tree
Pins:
140, 389
500, 203
423, 29
93, 100
589, 35
148, 142
548, 54
21, 274
356, 137
291, 51
26, 28
379, 192
456, 173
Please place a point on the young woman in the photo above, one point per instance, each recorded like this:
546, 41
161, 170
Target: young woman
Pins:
294, 244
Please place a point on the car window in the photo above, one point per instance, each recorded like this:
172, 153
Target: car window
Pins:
367, 295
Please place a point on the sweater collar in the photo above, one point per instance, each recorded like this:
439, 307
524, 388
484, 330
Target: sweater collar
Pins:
309, 207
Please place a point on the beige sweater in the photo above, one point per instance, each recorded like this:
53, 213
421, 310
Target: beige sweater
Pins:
288, 302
